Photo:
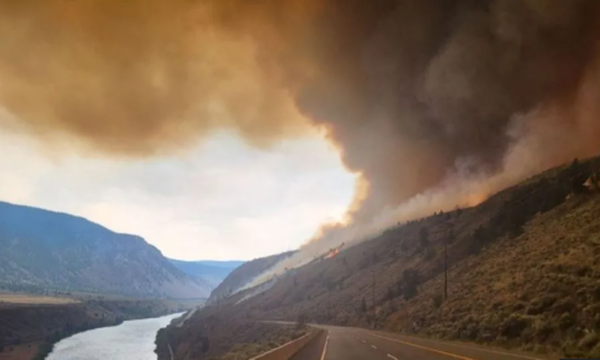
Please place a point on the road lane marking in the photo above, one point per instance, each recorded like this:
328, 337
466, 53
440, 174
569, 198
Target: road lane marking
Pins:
457, 345
374, 347
364, 342
325, 347
392, 357
424, 348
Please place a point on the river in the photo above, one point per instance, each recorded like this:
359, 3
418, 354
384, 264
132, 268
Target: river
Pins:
132, 340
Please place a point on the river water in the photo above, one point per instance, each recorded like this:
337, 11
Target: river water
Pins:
132, 340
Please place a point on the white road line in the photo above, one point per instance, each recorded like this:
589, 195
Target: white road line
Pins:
455, 345
364, 342
325, 347
374, 347
392, 357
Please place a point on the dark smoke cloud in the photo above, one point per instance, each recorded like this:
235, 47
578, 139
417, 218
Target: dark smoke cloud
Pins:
410, 90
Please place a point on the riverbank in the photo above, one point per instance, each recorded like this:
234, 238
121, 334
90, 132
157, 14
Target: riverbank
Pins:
28, 331
134, 339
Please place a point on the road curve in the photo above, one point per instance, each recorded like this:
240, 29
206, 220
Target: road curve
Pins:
341, 343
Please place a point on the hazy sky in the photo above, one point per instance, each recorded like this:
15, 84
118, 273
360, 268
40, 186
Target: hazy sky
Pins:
219, 200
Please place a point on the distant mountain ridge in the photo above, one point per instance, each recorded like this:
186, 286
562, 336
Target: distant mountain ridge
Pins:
41, 249
212, 271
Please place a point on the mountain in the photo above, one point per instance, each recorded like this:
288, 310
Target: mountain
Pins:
46, 250
244, 274
229, 264
211, 271
523, 272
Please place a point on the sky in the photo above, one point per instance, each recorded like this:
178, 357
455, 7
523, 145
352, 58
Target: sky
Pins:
222, 199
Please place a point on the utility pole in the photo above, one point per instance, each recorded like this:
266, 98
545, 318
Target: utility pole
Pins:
328, 303
373, 296
446, 267
449, 226
373, 289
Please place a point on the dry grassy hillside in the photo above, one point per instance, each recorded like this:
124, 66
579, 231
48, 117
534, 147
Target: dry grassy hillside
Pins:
244, 274
523, 272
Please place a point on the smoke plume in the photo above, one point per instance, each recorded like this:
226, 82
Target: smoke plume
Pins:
432, 102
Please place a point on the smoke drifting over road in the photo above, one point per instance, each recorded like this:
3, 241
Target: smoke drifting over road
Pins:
433, 102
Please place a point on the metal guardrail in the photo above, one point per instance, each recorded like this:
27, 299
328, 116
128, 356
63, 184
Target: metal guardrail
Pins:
287, 350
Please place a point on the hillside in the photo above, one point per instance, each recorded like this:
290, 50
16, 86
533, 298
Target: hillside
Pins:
43, 250
211, 271
243, 274
523, 273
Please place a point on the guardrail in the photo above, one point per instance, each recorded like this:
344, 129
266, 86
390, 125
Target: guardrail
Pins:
286, 351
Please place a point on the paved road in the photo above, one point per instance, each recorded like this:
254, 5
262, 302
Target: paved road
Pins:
339, 343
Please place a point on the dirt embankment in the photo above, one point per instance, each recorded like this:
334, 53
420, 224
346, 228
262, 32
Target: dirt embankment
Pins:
27, 331
213, 335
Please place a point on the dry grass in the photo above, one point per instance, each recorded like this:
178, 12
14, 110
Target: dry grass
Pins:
23, 299
539, 291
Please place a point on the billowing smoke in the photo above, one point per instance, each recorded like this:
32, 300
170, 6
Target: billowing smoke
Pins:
435, 103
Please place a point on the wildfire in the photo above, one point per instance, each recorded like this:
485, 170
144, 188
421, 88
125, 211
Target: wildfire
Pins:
333, 252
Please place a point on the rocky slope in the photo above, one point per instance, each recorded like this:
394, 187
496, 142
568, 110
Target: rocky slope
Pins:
523, 272
46, 250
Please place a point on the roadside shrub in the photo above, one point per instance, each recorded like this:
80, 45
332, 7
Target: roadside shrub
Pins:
566, 321
589, 341
514, 326
437, 300
409, 284
301, 321
595, 352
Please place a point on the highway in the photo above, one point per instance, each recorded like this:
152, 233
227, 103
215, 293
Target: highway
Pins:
339, 343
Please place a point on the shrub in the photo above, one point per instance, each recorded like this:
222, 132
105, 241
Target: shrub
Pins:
437, 300
424, 237
363, 306
409, 284
595, 352
301, 321
589, 341
429, 254
566, 321
514, 326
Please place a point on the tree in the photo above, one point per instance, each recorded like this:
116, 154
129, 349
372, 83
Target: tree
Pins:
410, 283
577, 177
363, 306
437, 300
430, 254
301, 321
594, 180
390, 294
424, 237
